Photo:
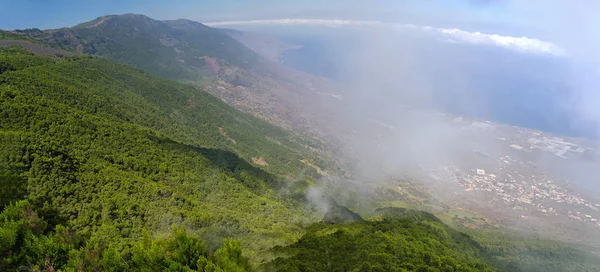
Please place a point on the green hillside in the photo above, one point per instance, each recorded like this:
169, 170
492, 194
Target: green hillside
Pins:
111, 152
398, 241
193, 53
20, 35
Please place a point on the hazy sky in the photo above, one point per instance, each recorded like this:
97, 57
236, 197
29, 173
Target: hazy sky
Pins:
60, 13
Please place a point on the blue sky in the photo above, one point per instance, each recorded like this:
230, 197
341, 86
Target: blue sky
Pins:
18, 14
62, 13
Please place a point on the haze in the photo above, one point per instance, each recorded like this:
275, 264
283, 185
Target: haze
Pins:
517, 64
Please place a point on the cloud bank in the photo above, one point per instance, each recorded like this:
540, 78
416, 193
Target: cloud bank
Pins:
521, 44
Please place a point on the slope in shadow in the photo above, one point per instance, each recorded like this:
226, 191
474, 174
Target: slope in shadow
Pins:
225, 160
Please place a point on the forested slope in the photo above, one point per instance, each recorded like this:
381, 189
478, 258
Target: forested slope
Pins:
111, 152
193, 53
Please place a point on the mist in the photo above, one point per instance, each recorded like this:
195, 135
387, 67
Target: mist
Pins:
469, 106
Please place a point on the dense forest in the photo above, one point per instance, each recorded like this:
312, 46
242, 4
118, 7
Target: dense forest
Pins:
27, 242
110, 152
105, 167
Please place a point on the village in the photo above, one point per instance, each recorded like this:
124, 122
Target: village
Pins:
511, 179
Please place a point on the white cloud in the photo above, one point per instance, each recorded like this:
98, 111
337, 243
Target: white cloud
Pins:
522, 44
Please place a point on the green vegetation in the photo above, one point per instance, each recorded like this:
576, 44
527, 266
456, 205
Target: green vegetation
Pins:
535, 254
16, 35
26, 243
193, 53
16, 58
398, 240
174, 111
110, 152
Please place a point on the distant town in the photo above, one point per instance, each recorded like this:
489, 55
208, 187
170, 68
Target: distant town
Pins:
514, 181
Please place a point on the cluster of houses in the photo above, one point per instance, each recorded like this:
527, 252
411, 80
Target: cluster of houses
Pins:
518, 191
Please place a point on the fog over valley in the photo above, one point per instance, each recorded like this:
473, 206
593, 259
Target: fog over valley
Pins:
485, 116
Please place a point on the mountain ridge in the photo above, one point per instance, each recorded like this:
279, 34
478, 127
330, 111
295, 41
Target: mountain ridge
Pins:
191, 52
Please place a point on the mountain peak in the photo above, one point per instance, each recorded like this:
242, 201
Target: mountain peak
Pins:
132, 15
103, 20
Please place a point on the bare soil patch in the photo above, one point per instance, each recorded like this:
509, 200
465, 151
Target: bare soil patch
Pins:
260, 161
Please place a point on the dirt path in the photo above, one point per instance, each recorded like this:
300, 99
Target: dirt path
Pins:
222, 131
